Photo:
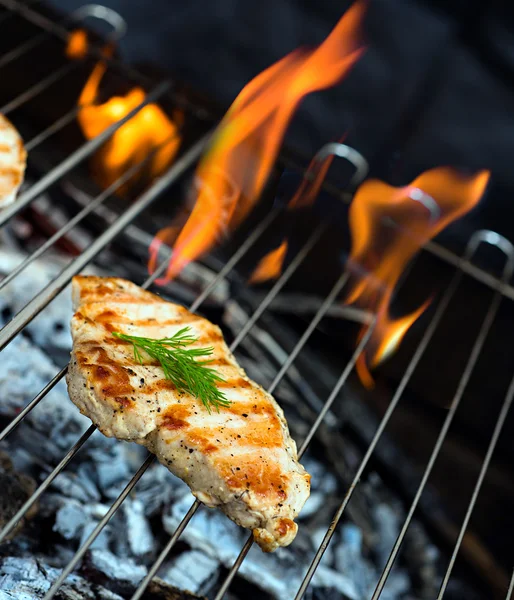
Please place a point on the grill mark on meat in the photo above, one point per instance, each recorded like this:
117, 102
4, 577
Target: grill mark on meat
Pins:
201, 442
108, 316
212, 336
261, 478
161, 384
239, 382
113, 378
175, 417
124, 402
219, 361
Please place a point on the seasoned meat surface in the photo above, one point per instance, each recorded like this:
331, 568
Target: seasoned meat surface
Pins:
240, 459
12, 162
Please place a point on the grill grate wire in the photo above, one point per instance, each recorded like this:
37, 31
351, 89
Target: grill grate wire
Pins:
464, 265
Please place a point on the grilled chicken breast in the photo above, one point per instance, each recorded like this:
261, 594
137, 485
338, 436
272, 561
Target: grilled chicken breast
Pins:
12, 162
240, 459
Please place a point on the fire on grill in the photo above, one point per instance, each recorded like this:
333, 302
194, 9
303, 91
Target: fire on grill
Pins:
338, 301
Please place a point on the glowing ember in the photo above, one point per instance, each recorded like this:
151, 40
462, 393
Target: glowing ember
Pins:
382, 251
233, 173
270, 266
76, 47
149, 132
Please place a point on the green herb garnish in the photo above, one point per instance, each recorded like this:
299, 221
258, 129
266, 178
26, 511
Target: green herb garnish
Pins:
180, 365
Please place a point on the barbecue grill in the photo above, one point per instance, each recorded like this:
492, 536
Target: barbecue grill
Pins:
28, 27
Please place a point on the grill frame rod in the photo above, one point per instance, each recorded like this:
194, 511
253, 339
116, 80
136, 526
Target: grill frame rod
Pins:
464, 265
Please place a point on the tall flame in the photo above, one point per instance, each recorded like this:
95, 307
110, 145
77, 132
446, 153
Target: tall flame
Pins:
149, 132
419, 212
233, 173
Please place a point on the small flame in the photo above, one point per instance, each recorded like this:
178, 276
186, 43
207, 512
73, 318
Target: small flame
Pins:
149, 132
419, 212
389, 333
270, 266
77, 45
234, 171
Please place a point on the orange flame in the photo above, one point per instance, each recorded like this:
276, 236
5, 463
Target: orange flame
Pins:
234, 171
270, 266
419, 211
149, 132
76, 48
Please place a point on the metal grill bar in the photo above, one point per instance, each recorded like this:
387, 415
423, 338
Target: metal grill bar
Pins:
510, 591
46, 34
97, 530
73, 450
336, 290
91, 207
312, 431
266, 301
60, 32
464, 265
39, 302
23, 48
32, 404
420, 350
485, 465
38, 87
295, 263
53, 128
46, 483
431, 246
76, 157
463, 383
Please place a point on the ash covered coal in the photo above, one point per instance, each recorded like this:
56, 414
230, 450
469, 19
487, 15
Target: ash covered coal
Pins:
120, 556
29, 578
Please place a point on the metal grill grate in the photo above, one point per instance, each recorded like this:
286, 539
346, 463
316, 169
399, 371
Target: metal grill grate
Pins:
463, 265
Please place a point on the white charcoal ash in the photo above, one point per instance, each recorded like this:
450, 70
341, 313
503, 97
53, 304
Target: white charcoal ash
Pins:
70, 519
324, 484
388, 520
103, 541
111, 468
110, 571
157, 489
23, 578
29, 579
349, 560
72, 485
139, 533
24, 370
50, 329
193, 571
277, 574
331, 582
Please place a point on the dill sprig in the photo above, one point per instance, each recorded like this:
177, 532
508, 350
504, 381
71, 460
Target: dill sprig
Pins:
181, 365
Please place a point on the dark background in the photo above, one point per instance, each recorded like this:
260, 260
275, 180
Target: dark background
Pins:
436, 85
